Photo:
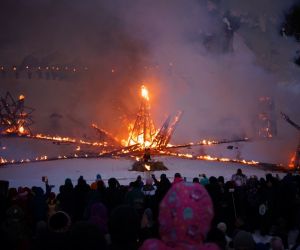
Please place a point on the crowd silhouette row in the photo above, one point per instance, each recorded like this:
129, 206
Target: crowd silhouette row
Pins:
156, 213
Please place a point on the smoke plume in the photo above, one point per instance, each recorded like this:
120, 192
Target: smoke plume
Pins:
213, 59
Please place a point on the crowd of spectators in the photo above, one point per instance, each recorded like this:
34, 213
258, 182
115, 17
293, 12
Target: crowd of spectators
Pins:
242, 213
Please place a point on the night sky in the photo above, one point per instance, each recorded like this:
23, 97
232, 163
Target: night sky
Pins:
213, 59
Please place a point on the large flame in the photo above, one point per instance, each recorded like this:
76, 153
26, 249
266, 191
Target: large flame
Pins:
292, 161
21, 98
147, 167
145, 93
21, 130
142, 131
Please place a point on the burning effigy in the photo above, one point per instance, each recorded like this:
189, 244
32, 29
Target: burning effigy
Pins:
143, 136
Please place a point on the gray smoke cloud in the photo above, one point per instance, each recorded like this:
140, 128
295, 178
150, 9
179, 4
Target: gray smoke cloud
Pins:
211, 59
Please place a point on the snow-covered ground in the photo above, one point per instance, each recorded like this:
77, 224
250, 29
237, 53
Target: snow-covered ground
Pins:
16, 148
30, 174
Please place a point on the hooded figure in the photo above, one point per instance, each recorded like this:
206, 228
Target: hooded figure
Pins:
99, 217
123, 228
59, 222
243, 240
56, 235
98, 180
185, 216
177, 178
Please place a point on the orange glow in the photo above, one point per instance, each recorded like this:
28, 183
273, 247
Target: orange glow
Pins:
3, 161
206, 142
142, 135
292, 161
140, 140
142, 132
147, 167
209, 158
55, 138
69, 140
145, 93
21, 130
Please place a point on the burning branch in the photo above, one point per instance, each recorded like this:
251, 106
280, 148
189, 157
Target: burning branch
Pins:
15, 118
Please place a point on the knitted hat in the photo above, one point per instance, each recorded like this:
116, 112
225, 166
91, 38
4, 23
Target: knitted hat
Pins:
185, 213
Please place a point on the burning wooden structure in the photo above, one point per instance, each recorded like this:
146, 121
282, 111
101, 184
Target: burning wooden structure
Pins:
104, 136
143, 131
15, 117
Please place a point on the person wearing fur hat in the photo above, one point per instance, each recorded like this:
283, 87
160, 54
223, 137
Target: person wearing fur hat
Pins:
185, 216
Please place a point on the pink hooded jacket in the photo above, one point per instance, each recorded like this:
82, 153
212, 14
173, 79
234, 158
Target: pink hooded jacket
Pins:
185, 215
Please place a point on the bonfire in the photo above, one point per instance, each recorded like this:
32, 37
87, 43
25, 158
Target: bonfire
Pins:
16, 119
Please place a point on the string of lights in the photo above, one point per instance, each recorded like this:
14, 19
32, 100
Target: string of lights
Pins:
41, 72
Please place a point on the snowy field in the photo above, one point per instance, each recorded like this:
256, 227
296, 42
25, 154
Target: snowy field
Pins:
30, 174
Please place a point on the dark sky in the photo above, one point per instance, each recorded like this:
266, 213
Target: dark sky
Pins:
211, 58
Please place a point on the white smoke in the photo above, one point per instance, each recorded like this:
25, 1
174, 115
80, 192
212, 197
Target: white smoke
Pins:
212, 59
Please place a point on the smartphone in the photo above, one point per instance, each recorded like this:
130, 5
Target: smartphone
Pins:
44, 179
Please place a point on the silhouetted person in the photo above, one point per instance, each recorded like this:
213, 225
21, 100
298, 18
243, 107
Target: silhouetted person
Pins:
123, 228
147, 156
239, 178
